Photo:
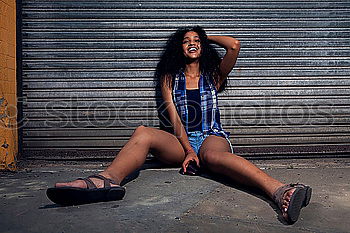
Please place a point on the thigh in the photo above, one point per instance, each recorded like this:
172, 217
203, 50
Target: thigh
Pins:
166, 147
214, 143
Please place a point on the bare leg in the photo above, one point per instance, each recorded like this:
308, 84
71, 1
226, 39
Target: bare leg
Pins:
215, 154
134, 152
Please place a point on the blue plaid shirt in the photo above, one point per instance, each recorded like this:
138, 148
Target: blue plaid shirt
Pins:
209, 104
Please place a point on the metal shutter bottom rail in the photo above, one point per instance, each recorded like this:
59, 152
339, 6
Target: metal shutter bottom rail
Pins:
88, 68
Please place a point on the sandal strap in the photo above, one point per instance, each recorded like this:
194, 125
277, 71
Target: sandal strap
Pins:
90, 185
303, 186
106, 181
278, 195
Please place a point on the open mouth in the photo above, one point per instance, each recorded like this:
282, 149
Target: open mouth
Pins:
192, 49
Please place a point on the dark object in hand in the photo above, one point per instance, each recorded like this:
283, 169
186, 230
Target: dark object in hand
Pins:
191, 170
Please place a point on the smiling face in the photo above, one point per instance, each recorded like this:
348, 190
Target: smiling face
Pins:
191, 45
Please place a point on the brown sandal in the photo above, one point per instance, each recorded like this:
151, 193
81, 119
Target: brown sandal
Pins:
300, 198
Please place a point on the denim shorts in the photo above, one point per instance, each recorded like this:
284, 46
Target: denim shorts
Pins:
197, 138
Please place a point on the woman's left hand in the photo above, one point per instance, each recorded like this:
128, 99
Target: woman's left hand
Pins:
192, 156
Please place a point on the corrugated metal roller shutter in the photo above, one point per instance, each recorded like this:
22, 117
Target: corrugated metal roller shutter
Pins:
88, 73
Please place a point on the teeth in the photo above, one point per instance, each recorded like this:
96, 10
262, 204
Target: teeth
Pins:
192, 49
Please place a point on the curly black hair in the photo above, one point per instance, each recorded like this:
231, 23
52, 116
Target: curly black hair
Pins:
173, 59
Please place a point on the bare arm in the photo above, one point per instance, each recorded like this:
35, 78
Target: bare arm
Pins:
179, 129
232, 47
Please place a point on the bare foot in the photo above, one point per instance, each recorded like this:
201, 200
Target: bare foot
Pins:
82, 184
285, 203
75, 184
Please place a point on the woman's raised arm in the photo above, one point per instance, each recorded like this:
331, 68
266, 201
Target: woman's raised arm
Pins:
232, 47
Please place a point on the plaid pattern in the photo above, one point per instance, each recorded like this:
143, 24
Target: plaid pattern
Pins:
209, 104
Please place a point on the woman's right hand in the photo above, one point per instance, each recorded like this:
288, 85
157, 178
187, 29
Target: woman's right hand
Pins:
191, 156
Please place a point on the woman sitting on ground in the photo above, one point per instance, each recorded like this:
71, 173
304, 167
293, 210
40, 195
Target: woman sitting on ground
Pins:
190, 74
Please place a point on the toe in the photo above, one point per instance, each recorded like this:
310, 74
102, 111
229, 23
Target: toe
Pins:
285, 203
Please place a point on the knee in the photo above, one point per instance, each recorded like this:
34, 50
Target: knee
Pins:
142, 135
211, 157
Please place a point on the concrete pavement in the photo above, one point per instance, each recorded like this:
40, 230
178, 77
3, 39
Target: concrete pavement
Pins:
162, 200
